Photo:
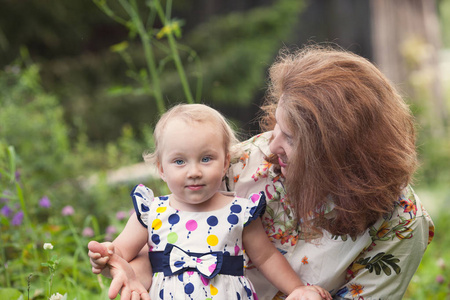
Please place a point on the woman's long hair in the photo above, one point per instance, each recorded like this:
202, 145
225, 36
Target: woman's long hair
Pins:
354, 137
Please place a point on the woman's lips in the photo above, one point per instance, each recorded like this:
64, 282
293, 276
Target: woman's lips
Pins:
282, 164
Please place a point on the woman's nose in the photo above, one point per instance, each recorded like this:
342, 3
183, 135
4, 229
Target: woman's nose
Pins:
274, 145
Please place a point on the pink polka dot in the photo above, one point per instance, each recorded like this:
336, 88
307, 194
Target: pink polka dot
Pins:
212, 267
255, 197
191, 225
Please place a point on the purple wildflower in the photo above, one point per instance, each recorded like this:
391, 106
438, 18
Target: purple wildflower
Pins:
67, 210
88, 232
111, 229
17, 176
6, 211
120, 215
17, 219
5, 195
45, 202
440, 279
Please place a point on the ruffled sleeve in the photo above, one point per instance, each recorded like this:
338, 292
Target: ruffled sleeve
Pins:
256, 207
142, 198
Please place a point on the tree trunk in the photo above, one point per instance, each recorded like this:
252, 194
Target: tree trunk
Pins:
406, 44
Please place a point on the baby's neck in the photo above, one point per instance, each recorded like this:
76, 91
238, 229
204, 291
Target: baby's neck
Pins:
218, 201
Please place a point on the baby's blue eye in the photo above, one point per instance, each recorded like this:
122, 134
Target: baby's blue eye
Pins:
179, 162
206, 159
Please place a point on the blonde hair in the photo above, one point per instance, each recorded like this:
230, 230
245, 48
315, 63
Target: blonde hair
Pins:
354, 136
191, 113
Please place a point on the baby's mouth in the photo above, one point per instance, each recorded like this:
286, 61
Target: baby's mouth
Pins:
195, 187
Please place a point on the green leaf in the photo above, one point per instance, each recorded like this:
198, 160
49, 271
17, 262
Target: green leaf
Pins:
376, 258
393, 265
9, 293
120, 47
385, 268
377, 268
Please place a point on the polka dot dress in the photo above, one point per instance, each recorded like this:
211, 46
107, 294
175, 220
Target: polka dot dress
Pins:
217, 232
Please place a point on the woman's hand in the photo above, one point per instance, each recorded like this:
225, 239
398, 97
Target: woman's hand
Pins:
309, 292
125, 281
105, 260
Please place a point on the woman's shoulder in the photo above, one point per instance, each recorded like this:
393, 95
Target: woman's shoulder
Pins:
258, 142
249, 170
408, 216
409, 206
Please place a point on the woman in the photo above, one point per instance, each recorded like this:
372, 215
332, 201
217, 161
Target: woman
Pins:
335, 164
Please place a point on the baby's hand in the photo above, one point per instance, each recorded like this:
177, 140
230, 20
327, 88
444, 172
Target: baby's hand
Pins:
309, 292
100, 254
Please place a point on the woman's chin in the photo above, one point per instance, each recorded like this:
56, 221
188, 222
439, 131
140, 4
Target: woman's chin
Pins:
283, 171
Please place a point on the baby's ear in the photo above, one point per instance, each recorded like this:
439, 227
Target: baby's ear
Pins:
227, 163
160, 171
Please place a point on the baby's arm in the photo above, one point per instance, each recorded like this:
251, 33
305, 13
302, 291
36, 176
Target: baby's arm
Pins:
272, 264
131, 240
127, 245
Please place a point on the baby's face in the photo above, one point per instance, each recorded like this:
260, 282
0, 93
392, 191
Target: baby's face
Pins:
193, 163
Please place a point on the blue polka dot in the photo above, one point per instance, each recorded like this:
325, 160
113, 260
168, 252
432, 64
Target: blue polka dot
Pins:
174, 219
155, 239
189, 288
144, 208
238, 297
161, 294
236, 208
180, 277
164, 197
212, 221
233, 219
249, 292
179, 263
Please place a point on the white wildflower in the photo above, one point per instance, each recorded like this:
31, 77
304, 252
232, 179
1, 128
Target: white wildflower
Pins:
58, 296
48, 246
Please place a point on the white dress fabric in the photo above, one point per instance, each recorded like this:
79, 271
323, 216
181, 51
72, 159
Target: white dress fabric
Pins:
187, 239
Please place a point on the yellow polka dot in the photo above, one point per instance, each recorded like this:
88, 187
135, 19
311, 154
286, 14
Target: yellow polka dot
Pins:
156, 224
212, 240
161, 209
214, 291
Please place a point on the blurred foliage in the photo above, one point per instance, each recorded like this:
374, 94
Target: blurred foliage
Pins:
444, 18
33, 120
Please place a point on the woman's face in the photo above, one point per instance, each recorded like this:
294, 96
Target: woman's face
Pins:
282, 139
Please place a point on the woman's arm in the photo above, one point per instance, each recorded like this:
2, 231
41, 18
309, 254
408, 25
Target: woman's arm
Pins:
272, 264
142, 267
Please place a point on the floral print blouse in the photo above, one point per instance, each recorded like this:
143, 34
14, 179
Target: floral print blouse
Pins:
375, 265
